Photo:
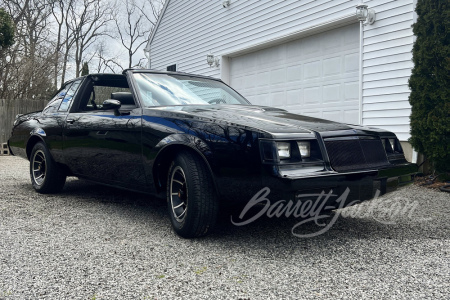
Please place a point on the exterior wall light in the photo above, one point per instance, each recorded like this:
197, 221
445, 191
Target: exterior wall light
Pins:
212, 60
226, 3
364, 14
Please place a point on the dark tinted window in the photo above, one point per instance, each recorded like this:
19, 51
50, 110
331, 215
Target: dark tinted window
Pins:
98, 88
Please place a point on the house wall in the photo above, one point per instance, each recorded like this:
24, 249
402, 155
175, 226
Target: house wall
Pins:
387, 66
189, 30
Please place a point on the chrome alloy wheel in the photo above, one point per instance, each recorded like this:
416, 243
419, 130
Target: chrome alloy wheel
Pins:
178, 194
39, 167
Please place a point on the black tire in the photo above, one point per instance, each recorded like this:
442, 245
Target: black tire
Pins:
191, 197
46, 176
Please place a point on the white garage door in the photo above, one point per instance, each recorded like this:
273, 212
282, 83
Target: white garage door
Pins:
315, 76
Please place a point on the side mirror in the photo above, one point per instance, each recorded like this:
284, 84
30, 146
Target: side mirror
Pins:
111, 104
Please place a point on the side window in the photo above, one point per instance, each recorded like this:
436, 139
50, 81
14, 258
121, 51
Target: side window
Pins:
65, 104
96, 89
103, 93
55, 102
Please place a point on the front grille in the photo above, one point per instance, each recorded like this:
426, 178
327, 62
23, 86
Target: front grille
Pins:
356, 154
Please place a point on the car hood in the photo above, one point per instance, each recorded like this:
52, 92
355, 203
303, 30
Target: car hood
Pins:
271, 120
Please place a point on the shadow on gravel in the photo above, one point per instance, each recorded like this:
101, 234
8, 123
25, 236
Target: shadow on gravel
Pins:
265, 234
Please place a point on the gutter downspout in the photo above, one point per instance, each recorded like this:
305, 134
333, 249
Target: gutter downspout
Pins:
147, 55
414, 152
361, 42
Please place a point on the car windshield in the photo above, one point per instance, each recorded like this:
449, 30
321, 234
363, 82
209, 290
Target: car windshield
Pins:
170, 89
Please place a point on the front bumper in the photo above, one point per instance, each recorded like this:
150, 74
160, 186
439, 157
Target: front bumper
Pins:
362, 185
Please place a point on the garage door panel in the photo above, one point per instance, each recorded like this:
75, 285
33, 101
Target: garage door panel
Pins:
351, 91
332, 66
277, 76
311, 45
312, 95
331, 41
312, 69
351, 63
316, 75
294, 73
351, 116
263, 79
277, 99
331, 93
294, 97
294, 50
351, 35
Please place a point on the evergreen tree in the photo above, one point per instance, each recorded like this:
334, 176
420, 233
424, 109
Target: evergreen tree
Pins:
85, 69
429, 83
6, 29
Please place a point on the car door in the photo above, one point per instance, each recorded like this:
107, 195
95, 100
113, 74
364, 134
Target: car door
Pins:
103, 144
51, 123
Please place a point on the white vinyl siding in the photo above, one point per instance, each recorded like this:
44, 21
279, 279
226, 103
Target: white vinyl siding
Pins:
189, 30
387, 66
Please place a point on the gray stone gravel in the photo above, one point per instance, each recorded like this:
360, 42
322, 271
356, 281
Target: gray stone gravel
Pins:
94, 242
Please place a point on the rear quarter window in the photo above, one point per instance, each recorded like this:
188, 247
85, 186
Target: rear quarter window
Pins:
70, 94
55, 102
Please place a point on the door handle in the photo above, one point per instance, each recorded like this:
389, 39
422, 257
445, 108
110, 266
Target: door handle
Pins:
70, 121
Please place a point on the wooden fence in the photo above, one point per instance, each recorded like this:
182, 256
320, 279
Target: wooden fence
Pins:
10, 108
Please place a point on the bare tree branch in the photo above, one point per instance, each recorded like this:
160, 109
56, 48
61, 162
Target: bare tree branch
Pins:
134, 28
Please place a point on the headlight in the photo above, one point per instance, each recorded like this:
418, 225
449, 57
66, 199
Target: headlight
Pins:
290, 152
304, 148
284, 150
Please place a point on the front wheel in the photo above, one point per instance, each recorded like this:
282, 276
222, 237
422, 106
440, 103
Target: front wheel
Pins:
46, 176
191, 196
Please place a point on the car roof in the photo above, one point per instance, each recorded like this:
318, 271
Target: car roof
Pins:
151, 71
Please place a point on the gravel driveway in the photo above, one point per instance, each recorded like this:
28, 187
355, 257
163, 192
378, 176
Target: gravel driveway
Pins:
94, 242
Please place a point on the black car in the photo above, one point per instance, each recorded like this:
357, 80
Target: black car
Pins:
200, 143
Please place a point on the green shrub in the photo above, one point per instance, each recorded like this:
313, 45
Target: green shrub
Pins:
429, 83
6, 29
85, 69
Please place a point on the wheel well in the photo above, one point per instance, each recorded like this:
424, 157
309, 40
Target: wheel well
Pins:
163, 161
31, 142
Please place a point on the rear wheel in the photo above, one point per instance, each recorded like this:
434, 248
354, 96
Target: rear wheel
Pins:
191, 196
46, 175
